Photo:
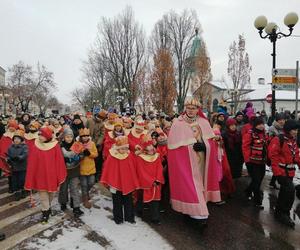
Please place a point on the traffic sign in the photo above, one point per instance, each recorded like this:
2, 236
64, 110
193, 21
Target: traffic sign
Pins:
284, 79
269, 98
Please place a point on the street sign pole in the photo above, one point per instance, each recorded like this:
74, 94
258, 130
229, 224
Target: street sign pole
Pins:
297, 86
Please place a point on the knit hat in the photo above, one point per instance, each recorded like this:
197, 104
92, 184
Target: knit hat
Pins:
19, 133
76, 116
13, 124
257, 121
230, 121
68, 131
290, 125
46, 132
279, 116
239, 113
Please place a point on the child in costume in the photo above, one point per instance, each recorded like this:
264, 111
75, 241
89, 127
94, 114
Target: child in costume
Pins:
46, 169
72, 160
5, 142
87, 165
17, 159
150, 175
119, 175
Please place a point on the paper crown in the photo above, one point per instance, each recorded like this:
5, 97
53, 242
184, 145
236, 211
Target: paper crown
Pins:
19, 133
112, 116
36, 125
102, 113
118, 122
193, 102
84, 132
121, 141
146, 141
13, 124
127, 120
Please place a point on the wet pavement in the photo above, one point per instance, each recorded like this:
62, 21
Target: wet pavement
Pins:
234, 225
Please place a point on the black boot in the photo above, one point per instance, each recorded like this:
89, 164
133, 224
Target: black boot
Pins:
17, 195
63, 207
45, 217
71, 203
23, 194
284, 219
77, 212
2, 236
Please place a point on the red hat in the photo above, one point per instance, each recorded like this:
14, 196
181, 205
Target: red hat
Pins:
46, 132
230, 121
13, 124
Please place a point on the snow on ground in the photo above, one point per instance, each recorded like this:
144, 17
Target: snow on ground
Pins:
124, 236
68, 238
98, 221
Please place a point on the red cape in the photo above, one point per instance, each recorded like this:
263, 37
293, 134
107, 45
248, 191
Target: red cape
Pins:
107, 145
148, 173
5, 143
133, 141
46, 169
120, 174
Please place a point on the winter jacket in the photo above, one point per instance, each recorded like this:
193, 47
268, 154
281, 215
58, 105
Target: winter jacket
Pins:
17, 157
87, 164
97, 130
72, 161
284, 156
255, 147
245, 129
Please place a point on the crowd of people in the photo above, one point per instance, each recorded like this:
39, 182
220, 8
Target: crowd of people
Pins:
150, 160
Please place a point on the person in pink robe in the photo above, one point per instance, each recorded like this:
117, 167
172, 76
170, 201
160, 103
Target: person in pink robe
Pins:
193, 169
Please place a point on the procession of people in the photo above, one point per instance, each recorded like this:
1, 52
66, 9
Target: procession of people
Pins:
186, 160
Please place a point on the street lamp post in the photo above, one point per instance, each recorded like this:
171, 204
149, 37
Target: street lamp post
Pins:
271, 28
120, 97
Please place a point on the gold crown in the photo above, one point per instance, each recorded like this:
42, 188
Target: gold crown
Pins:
35, 124
19, 133
112, 116
118, 122
121, 141
193, 102
84, 132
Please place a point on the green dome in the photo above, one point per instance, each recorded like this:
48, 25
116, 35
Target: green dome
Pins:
196, 45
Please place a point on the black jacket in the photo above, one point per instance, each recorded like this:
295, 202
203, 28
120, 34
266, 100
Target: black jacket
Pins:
17, 157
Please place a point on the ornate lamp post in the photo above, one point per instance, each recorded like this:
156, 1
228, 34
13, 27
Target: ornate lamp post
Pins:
272, 34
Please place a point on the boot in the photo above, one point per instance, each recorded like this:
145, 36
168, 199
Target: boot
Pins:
284, 219
63, 207
2, 236
77, 212
71, 203
86, 202
17, 195
23, 194
45, 216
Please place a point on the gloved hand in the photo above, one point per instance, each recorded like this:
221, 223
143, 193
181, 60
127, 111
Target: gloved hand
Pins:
199, 147
86, 152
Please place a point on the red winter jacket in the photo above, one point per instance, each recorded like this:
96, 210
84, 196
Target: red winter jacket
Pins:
255, 147
246, 128
283, 158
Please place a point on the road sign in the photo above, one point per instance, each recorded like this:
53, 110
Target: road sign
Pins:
269, 98
284, 79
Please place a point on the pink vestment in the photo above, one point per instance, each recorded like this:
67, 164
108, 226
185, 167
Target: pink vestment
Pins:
190, 187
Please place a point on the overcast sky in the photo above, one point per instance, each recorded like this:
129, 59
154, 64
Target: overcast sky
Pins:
58, 33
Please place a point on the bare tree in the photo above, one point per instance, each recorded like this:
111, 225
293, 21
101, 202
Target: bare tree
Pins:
121, 42
180, 30
25, 83
239, 68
